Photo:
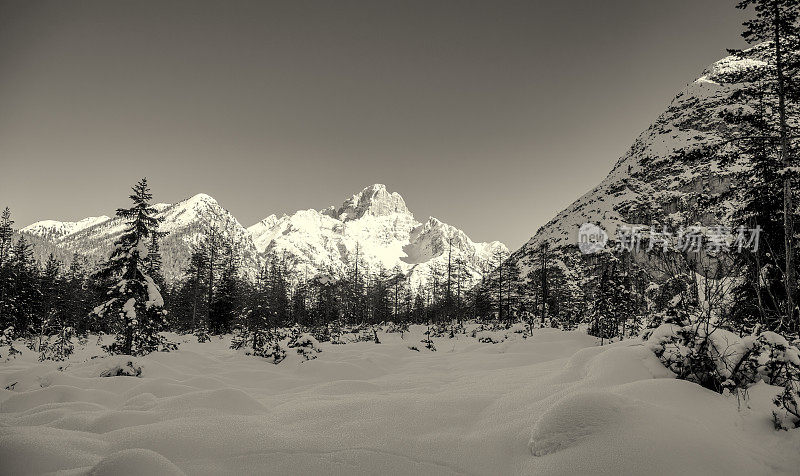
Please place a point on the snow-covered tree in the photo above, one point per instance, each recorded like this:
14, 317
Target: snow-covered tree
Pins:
134, 305
776, 24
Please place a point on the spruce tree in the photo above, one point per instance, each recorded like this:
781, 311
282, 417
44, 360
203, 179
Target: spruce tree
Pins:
228, 299
76, 297
5, 271
6, 232
134, 305
24, 295
52, 300
778, 23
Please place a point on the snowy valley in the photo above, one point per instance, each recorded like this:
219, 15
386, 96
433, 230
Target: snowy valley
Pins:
650, 327
553, 403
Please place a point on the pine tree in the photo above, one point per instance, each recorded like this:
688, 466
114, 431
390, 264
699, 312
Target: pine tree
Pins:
6, 232
154, 261
5, 271
228, 302
76, 297
613, 297
24, 295
278, 291
195, 288
397, 283
760, 295
499, 258
257, 321
777, 22
213, 246
134, 303
51, 303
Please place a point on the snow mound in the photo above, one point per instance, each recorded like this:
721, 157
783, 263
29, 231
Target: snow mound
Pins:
576, 417
228, 401
135, 462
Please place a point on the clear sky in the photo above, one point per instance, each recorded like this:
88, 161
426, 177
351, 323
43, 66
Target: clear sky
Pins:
491, 116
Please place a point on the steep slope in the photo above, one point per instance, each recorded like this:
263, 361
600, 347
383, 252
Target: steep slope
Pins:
374, 225
676, 173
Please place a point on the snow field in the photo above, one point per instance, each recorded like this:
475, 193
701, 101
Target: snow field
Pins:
555, 403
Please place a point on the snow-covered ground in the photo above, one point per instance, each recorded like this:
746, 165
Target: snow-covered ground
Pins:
556, 403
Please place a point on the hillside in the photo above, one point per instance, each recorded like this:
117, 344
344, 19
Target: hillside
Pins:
677, 173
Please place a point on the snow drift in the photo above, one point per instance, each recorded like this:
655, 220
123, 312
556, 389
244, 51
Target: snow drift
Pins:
554, 403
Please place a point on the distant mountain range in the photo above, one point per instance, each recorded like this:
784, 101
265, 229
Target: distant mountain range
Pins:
373, 223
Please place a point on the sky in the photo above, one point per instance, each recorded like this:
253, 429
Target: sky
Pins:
491, 116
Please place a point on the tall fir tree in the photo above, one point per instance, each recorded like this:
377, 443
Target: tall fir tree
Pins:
134, 305
24, 296
6, 232
777, 22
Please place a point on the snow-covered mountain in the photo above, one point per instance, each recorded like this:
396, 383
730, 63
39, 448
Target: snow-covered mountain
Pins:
373, 224
185, 221
54, 230
672, 175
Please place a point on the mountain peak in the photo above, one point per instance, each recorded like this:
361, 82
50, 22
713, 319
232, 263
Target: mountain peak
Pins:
373, 200
201, 198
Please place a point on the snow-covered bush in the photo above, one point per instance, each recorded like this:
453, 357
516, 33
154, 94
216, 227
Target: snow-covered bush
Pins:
365, 333
520, 328
321, 333
487, 337
721, 360
274, 352
306, 345
57, 347
7, 342
438, 330
294, 334
428, 341
688, 351
787, 415
202, 335
266, 344
128, 369
239, 339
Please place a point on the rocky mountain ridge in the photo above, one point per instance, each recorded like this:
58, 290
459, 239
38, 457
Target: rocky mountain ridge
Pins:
374, 225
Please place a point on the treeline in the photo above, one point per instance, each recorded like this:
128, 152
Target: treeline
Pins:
127, 295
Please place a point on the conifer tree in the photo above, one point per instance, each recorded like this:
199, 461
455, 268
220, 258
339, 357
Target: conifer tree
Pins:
24, 295
227, 304
154, 261
6, 232
5, 272
778, 22
52, 300
194, 289
76, 296
134, 305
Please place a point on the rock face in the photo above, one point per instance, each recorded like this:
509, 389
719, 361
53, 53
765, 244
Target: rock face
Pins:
374, 225
374, 200
675, 173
